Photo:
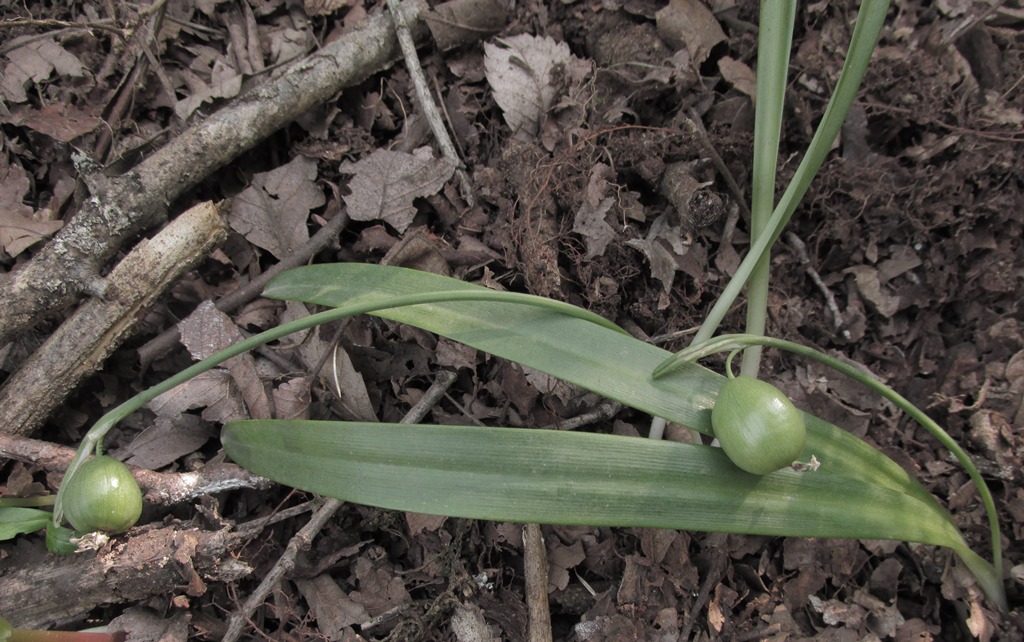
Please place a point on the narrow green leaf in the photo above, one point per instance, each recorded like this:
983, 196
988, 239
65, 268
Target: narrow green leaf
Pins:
15, 521
611, 364
852, 477
870, 19
557, 477
774, 41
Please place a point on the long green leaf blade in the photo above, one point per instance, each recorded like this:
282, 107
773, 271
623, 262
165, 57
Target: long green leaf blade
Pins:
560, 477
603, 361
617, 366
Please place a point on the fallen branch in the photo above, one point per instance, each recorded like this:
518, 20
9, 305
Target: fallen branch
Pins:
82, 343
51, 590
123, 207
159, 489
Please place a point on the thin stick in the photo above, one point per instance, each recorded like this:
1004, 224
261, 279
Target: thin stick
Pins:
800, 249
715, 572
535, 560
430, 111
304, 538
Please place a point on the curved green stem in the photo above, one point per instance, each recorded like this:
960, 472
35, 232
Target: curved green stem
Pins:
870, 19
739, 341
27, 502
774, 42
93, 440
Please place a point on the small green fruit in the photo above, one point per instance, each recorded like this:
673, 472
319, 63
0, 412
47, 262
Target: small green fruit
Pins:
102, 496
758, 427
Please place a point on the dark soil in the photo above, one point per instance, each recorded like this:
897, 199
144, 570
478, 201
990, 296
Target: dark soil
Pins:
913, 227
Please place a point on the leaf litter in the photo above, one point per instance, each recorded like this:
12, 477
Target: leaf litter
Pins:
570, 134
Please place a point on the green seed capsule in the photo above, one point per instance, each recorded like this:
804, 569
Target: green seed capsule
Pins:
103, 496
758, 427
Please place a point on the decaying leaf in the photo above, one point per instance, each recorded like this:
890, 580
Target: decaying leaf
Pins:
208, 330
166, 440
60, 121
349, 384
272, 212
738, 74
211, 390
527, 76
385, 183
292, 398
334, 610
33, 62
325, 7
18, 229
662, 246
690, 24
589, 221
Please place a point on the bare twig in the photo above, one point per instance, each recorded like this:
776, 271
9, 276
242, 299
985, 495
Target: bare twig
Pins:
535, 562
160, 489
303, 539
800, 249
430, 112
602, 412
40, 591
719, 562
696, 127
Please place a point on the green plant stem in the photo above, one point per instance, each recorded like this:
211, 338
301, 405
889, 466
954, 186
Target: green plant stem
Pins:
870, 20
736, 341
27, 502
93, 440
774, 42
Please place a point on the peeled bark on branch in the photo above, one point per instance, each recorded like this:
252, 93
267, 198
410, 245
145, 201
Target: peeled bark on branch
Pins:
82, 343
123, 207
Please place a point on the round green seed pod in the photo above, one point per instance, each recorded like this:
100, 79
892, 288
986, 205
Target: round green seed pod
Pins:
102, 496
757, 426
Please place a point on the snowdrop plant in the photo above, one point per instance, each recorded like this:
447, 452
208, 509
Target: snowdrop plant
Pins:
841, 487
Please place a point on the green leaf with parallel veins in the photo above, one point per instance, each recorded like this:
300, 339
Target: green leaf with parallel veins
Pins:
579, 478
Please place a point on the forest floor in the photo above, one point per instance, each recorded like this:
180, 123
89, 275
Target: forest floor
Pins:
906, 256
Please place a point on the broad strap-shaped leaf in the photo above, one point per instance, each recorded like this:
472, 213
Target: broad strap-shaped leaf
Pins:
555, 477
560, 477
848, 496
613, 365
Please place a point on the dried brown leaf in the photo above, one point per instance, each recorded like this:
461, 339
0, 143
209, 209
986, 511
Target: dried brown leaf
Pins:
18, 229
59, 121
469, 625
325, 7
272, 212
292, 399
207, 331
211, 390
379, 589
332, 608
870, 286
166, 440
528, 75
208, 79
351, 387
589, 221
690, 24
738, 74
385, 183
33, 62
